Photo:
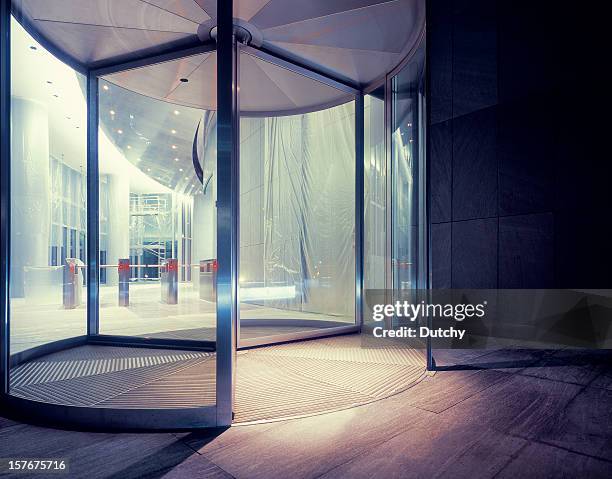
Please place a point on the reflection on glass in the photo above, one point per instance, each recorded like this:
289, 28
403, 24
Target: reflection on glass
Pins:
297, 221
406, 155
375, 200
151, 191
48, 196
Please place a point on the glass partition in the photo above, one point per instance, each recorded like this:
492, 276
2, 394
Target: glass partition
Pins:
48, 196
407, 174
157, 214
297, 208
375, 192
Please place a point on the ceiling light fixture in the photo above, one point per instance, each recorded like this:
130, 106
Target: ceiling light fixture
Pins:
176, 112
174, 147
105, 87
173, 132
120, 132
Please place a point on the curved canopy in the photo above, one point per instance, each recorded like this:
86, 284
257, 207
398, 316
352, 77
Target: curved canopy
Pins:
357, 41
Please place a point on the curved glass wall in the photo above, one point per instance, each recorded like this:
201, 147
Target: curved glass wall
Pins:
297, 211
157, 215
375, 192
48, 196
408, 264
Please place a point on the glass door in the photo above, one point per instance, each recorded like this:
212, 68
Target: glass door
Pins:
297, 205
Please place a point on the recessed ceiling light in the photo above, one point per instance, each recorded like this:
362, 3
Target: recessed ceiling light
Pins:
129, 147
186, 177
173, 132
180, 169
120, 132
174, 147
176, 112
184, 80
112, 112
176, 159
131, 117
105, 87
148, 169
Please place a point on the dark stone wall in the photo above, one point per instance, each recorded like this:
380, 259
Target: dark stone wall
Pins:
519, 167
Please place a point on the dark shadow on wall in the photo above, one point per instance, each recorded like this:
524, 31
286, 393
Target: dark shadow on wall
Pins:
520, 177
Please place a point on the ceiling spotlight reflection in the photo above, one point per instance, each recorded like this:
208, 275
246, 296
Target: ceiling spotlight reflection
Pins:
174, 147
176, 112
112, 112
176, 159
105, 87
120, 132
173, 132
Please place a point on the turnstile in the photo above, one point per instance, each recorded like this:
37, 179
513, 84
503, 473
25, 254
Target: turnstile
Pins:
169, 281
124, 282
73, 283
208, 279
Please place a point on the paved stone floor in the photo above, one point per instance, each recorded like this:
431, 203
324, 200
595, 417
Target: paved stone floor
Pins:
504, 414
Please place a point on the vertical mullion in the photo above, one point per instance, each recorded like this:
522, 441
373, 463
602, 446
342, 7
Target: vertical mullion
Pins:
5, 195
93, 207
359, 207
227, 210
388, 96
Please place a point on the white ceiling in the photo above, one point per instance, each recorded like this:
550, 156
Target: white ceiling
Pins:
356, 40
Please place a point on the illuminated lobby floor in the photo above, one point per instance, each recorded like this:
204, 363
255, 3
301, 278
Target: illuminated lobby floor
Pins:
37, 322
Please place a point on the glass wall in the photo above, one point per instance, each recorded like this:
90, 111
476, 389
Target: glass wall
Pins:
297, 215
407, 173
48, 196
375, 191
157, 215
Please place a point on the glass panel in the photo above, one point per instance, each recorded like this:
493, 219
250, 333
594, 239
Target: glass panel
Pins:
157, 219
297, 207
48, 196
375, 199
406, 160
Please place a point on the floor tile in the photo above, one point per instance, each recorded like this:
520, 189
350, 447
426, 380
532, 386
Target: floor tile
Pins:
543, 461
447, 388
522, 406
441, 449
585, 425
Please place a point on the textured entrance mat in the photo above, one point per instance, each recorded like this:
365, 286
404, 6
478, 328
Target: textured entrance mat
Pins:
274, 382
